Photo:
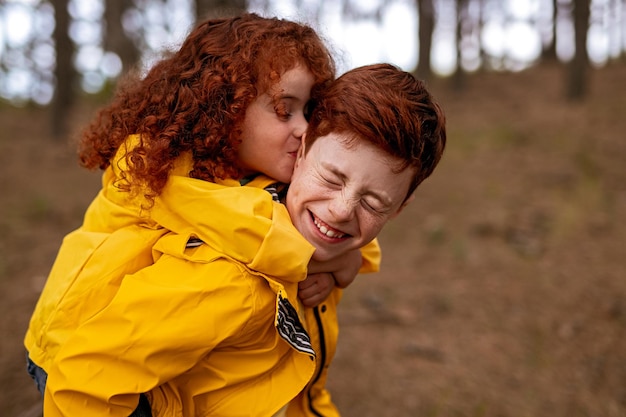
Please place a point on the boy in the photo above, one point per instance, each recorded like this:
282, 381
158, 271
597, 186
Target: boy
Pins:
375, 135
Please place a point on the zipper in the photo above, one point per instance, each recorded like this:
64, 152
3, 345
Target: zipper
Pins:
318, 321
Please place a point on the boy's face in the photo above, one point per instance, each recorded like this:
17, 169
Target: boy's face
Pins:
341, 196
272, 129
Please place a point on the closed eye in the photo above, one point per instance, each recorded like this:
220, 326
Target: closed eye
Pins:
331, 180
282, 112
374, 204
369, 206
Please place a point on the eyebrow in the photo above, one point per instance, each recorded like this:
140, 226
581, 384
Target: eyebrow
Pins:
288, 97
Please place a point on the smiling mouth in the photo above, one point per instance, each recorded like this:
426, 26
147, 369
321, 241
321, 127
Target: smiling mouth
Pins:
327, 230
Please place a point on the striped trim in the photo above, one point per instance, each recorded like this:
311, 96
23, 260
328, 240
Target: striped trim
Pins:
194, 242
273, 189
290, 328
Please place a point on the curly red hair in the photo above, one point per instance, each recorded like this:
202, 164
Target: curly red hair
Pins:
389, 108
196, 99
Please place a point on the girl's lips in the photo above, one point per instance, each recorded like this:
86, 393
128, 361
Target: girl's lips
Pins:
327, 230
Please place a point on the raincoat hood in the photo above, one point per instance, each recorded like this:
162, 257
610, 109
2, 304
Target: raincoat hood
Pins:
242, 223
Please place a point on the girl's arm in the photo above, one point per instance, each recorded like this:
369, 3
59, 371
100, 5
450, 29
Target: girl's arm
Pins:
340, 272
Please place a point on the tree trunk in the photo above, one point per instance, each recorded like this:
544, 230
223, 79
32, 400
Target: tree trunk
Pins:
549, 51
219, 8
458, 78
65, 73
115, 39
578, 67
426, 27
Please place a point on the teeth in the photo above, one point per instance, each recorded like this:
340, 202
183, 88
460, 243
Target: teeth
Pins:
326, 231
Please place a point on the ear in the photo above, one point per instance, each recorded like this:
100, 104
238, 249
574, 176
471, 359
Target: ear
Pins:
406, 203
302, 148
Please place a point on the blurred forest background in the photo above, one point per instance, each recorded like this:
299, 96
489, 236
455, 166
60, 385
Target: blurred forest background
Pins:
503, 286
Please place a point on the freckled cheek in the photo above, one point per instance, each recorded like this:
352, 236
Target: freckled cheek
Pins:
370, 228
299, 193
311, 191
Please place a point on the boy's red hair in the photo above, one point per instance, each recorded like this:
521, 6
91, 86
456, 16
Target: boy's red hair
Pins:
389, 108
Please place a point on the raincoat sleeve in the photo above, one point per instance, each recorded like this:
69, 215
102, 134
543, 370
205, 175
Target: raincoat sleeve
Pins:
371, 255
163, 320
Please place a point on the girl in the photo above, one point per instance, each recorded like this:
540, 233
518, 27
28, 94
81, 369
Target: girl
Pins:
229, 104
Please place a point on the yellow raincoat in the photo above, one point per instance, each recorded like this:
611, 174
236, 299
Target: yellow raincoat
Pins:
206, 330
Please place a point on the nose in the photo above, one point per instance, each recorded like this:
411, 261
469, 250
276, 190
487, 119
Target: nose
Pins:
342, 208
299, 125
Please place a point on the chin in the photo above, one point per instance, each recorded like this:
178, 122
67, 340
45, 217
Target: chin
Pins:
322, 256
317, 258
284, 178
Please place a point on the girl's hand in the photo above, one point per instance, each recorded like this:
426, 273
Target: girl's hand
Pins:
315, 288
324, 276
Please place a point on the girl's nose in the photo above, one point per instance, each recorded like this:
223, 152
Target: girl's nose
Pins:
300, 125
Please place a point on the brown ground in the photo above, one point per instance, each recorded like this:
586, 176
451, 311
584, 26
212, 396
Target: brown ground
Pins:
503, 290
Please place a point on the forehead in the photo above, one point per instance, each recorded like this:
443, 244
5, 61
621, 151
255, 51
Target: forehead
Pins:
354, 150
362, 163
294, 79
